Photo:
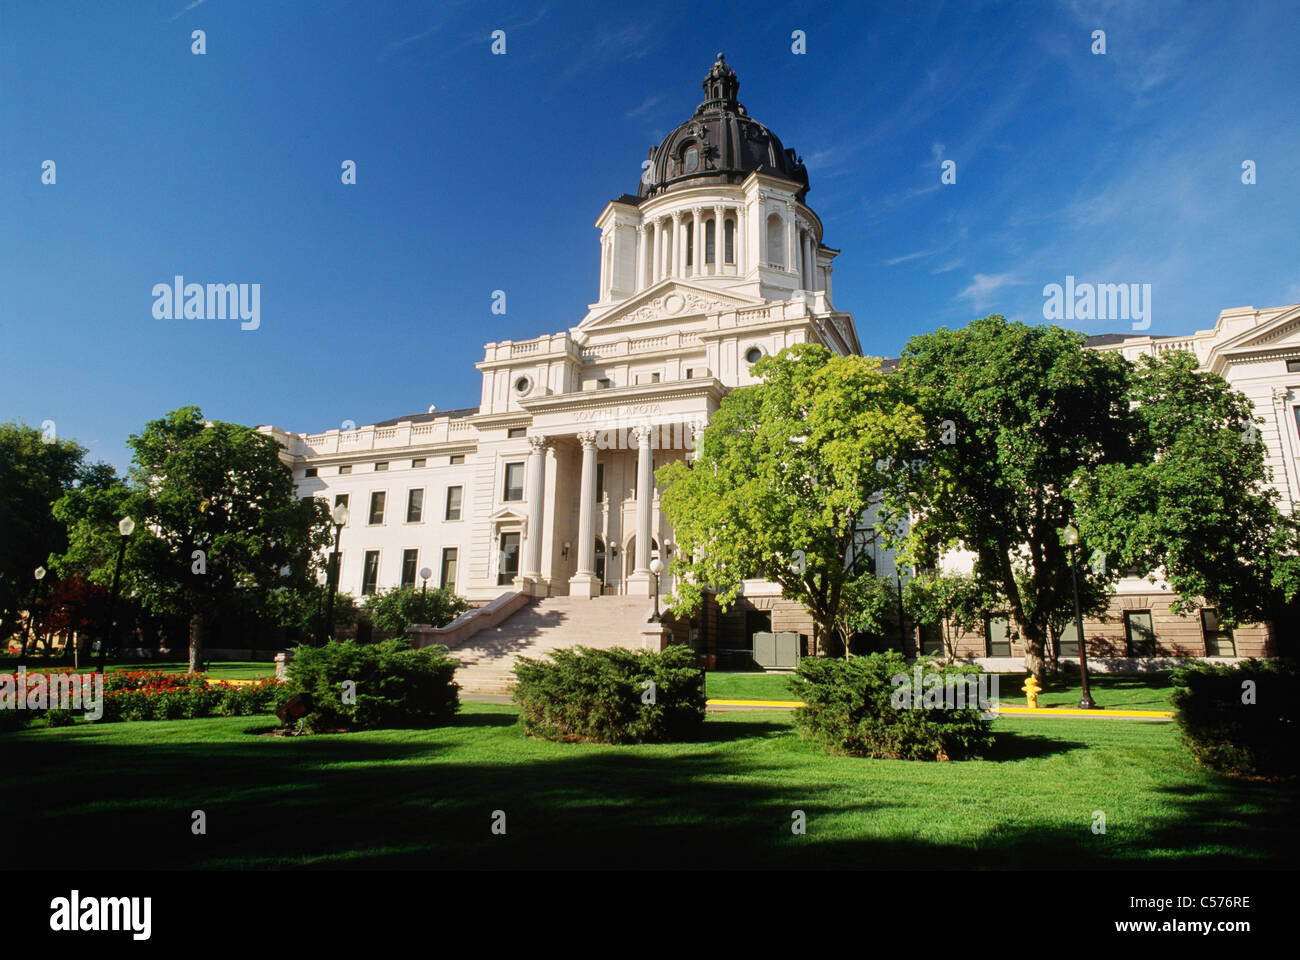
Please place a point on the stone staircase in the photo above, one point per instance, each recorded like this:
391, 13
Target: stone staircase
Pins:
487, 658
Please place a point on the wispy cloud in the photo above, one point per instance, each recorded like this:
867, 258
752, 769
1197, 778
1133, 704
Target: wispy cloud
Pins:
895, 261
983, 286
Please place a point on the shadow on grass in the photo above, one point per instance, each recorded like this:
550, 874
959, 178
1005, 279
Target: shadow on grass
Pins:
427, 801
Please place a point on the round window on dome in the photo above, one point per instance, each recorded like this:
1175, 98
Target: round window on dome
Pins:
691, 159
522, 385
753, 355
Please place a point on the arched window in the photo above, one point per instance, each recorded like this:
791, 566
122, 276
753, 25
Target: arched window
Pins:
729, 241
775, 240
710, 248
691, 158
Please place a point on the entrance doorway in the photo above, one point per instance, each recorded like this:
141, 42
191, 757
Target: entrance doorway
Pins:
508, 559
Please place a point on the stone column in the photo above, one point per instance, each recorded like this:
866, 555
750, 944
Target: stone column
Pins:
584, 582
532, 559
791, 238
679, 247
742, 241
719, 239
807, 260
645, 482
697, 266
643, 268
655, 245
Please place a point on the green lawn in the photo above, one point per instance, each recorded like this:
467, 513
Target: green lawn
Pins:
1129, 692
121, 795
224, 670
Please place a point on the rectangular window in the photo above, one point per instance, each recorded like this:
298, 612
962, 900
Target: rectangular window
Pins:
1138, 633
370, 578
514, 487
690, 373
456, 459
341, 498
1219, 641
453, 503
1293, 366
508, 559
1296, 411
729, 245
418, 462
345, 469
690, 244
600, 482
931, 639
409, 560
604, 383
381, 466
654, 378
710, 252
377, 506
997, 635
414, 506
514, 432
309, 472
1068, 641
448, 576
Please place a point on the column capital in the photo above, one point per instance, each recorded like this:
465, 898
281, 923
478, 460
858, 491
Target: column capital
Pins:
697, 212
539, 443
677, 216
588, 439
644, 434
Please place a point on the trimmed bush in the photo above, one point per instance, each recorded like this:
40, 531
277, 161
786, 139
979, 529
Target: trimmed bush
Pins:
1228, 734
850, 708
395, 685
605, 696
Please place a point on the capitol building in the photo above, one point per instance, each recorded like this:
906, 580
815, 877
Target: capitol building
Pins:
546, 489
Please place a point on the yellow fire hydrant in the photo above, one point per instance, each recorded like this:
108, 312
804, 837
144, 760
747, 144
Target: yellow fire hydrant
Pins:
1031, 689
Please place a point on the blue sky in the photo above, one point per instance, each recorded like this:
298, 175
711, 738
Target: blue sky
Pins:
478, 172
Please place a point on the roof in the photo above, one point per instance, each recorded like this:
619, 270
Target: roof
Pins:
458, 414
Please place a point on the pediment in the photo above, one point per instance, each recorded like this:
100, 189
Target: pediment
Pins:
670, 300
1279, 336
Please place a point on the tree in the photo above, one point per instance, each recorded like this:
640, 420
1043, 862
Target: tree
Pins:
955, 603
786, 476
35, 471
1014, 414
218, 526
1193, 505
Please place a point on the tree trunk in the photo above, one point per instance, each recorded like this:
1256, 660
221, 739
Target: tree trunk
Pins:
198, 632
1033, 640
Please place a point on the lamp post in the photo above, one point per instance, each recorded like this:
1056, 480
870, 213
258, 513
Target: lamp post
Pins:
29, 631
657, 567
340, 516
1072, 540
425, 574
125, 527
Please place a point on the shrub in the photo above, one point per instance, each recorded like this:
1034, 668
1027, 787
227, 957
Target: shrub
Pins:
849, 709
1233, 736
396, 610
395, 686
603, 696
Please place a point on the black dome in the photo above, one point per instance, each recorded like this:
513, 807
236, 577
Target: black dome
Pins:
721, 143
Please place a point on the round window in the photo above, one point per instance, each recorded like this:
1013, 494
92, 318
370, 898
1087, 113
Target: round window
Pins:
691, 161
522, 385
754, 355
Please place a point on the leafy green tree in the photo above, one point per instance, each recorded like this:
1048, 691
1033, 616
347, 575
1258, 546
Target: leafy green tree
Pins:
955, 603
1014, 414
218, 525
395, 610
785, 477
1193, 504
35, 471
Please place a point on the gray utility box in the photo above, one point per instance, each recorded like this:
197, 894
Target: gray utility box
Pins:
776, 651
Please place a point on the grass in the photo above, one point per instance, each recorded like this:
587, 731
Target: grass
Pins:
121, 795
1129, 692
224, 670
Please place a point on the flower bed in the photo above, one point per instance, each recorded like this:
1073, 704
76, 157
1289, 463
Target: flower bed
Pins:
155, 695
